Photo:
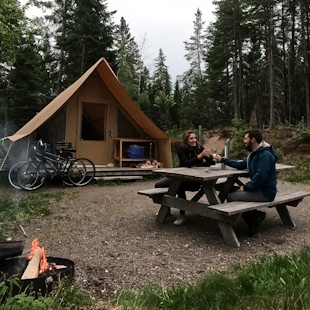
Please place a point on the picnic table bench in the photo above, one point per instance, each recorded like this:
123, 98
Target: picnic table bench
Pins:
225, 213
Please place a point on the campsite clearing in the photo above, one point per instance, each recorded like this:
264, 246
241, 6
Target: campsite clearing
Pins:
111, 235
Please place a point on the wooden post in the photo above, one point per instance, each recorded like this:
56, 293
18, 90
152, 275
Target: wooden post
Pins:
200, 134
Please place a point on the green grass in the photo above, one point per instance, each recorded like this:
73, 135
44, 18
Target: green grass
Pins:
14, 212
277, 282
66, 295
301, 172
274, 283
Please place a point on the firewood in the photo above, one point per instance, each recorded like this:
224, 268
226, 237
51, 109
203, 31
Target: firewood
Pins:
60, 267
55, 266
32, 270
146, 166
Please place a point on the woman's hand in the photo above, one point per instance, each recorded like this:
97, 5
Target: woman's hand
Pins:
205, 152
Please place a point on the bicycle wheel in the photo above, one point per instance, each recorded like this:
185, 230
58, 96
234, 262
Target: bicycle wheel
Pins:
90, 171
27, 175
42, 176
76, 172
12, 176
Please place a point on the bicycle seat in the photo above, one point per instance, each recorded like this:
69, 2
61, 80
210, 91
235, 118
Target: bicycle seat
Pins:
68, 149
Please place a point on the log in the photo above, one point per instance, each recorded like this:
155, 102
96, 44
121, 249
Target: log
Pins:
32, 270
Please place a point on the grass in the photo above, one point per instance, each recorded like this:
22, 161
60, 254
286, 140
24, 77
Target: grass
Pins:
14, 212
66, 296
276, 282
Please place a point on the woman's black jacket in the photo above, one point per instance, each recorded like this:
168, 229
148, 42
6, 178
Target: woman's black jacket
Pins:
188, 157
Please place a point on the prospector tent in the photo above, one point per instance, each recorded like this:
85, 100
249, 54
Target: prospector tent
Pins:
92, 114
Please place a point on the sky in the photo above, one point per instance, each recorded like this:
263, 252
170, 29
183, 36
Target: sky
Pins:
164, 24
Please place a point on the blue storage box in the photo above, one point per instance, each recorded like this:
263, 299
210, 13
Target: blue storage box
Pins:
136, 151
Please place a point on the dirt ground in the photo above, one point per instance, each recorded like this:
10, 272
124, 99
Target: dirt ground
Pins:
111, 235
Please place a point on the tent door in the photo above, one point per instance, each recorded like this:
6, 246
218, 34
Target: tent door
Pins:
93, 139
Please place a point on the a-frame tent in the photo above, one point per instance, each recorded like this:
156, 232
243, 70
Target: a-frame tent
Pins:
90, 114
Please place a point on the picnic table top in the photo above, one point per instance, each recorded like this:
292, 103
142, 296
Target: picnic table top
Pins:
209, 173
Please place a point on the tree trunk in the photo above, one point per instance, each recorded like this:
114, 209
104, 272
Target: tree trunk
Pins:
304, 23
61, 56
271, 65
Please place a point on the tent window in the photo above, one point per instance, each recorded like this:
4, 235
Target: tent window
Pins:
54, 130
93, 121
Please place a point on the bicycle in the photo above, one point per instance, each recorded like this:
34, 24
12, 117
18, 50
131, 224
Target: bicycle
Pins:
33, 173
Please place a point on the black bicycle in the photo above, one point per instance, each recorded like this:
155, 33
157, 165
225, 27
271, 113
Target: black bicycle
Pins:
43, 165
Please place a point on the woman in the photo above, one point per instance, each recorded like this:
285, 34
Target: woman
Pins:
191, 153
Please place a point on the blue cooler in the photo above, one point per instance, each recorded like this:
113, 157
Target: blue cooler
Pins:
136, 151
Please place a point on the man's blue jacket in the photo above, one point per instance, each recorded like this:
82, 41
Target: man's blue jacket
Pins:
261, 164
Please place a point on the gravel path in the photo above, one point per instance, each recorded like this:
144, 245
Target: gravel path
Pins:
110, 234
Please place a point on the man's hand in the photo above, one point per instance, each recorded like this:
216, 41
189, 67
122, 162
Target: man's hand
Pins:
217, 157
241, 189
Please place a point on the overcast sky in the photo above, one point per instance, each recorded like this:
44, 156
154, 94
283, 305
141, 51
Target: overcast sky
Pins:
165, 24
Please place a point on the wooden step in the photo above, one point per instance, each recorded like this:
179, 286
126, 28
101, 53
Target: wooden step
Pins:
120, 178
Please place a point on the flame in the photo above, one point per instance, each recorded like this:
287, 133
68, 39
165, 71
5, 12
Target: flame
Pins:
43, 263
35, 244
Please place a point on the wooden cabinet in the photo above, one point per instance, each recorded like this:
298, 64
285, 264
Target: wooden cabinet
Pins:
122, 147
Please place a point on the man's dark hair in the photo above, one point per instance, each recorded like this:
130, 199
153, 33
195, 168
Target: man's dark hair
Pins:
256, 134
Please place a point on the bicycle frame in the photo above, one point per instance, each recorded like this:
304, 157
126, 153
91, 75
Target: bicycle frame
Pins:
32, 174
55, 164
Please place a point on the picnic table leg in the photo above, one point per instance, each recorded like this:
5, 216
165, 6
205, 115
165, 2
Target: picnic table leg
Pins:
229, 234
164, 211
226, 187
210, 192
285, 215
198, 195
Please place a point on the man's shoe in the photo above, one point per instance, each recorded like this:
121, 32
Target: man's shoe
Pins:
255, 224
262, 215
180, 220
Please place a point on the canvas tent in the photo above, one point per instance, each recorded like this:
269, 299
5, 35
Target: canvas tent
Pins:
90, 114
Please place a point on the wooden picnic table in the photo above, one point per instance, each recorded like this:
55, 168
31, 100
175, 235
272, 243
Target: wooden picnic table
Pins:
208, 177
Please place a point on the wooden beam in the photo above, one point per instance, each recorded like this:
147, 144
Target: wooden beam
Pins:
33, 268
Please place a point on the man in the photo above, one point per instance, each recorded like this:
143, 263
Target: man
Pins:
261, 163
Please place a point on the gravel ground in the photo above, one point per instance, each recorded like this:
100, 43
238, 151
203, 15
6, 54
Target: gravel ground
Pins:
110, 234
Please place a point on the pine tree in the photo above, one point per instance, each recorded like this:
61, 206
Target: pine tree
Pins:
12, 23
83, 34
195, 49
12, 27
161, 78
89, 37
27, 83
160, 87
128, 60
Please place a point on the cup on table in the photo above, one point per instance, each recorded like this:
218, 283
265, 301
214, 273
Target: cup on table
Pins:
214, 155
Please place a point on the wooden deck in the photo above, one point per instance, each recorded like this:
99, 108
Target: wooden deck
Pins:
124, 171
104, 171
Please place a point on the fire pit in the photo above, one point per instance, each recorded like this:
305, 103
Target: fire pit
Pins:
37, 273
15, 267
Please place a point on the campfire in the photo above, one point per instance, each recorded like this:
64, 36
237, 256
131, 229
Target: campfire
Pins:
37, 272
38, 263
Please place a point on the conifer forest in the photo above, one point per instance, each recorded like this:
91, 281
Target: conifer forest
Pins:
251, 63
